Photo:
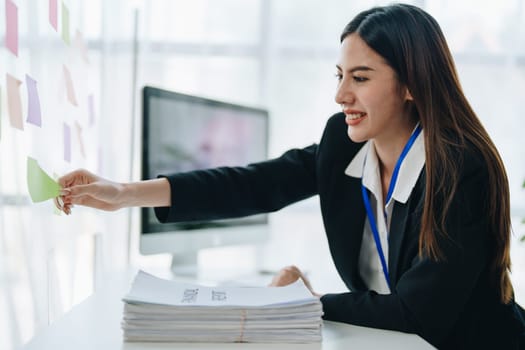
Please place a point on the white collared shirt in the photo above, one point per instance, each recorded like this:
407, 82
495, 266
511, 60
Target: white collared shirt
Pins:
370, 267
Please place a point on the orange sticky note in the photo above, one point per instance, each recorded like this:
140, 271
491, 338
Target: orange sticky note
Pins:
69, 87
14, 103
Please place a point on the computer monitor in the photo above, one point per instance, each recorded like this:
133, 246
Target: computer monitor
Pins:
182, 133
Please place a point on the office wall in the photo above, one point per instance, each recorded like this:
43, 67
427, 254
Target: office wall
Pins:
57, 78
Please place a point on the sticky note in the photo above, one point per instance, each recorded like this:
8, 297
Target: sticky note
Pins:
91, 109
65, 23
53, 17
40, 185
69, 87
67, 143
80, 139
34, 115
14, 103
81, 45
11, 27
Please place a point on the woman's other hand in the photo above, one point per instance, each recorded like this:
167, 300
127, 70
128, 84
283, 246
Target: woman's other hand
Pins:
290, 274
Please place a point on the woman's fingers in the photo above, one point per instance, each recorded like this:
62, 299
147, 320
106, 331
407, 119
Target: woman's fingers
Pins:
77, 177
59, 203
290, 274
286, 276
83, 190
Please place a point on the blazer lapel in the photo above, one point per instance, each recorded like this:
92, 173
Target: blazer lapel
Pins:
358, 214
396, 237
398, 227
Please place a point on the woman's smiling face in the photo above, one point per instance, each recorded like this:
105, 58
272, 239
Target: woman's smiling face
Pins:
370, 94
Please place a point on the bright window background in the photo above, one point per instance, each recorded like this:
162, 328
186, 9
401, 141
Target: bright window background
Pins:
276, 54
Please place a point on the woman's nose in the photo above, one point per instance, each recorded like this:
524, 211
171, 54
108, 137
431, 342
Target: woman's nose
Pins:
344, 95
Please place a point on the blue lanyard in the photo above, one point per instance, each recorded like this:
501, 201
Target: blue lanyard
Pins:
368, 207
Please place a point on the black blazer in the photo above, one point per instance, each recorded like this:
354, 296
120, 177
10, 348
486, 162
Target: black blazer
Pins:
450, 304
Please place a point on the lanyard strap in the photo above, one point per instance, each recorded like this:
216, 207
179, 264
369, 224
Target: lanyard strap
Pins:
368, 207
402, 156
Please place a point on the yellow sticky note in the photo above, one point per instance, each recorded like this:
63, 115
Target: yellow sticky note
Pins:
41, 186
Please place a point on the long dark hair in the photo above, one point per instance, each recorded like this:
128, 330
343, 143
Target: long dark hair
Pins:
412, 43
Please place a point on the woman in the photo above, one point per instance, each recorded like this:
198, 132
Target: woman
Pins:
413, 192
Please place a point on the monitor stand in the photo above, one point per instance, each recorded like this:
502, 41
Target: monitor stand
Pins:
185, 264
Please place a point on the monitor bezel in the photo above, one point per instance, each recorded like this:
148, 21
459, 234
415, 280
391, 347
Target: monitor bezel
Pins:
147, 229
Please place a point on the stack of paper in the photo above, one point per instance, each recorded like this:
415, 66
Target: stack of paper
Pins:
171, 311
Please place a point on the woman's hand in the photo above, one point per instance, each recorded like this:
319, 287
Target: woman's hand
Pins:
84, 188
290, 274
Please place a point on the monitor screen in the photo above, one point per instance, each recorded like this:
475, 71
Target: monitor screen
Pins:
184, 133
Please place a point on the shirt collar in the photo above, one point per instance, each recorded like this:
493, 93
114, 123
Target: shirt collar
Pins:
408, 173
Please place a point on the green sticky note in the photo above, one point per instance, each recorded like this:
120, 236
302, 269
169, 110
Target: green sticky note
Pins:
65, 23
41, 186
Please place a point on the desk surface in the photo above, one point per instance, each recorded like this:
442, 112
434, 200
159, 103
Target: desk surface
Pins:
95, 324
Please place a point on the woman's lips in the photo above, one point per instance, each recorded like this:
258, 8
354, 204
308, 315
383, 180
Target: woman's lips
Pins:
354, 118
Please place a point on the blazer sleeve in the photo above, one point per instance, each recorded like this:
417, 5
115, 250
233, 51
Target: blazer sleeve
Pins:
229, 192
429, 296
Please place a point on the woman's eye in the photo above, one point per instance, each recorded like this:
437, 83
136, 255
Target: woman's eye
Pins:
338, 76
359, 79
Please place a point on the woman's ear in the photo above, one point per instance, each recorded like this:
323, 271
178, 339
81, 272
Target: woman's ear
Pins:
408, 96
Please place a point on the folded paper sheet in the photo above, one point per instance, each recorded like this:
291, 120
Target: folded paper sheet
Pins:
153, 290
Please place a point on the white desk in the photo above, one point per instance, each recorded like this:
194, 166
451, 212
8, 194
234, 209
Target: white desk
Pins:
95, 324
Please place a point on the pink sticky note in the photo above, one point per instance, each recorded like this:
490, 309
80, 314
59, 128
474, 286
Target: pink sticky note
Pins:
53, 17
11, 27
34, 115
14, 103
67, 143
91, 108
69, 87
80, 139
